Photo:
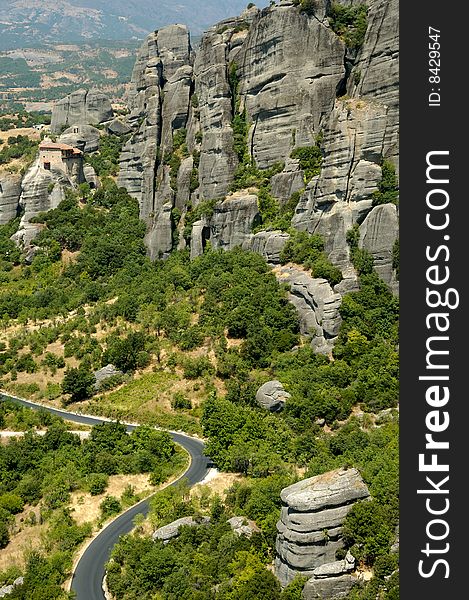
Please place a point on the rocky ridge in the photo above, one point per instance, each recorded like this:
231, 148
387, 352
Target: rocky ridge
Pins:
292, 81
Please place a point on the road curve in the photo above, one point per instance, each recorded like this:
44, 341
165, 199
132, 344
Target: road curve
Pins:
90, 570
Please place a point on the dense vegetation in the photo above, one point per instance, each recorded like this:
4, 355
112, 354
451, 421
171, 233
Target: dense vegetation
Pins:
19, 146
350, 23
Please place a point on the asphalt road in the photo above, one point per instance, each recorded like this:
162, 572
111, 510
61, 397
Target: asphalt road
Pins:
89, 573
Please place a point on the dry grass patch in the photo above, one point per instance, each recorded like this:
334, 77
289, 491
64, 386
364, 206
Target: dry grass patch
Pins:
85, 507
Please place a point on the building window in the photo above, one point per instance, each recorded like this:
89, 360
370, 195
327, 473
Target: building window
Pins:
47, 166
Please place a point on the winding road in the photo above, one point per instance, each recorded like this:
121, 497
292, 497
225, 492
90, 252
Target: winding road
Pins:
89, 573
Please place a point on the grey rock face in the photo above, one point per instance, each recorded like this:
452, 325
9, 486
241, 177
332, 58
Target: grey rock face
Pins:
272, 396
10, 192
285, 184
119, 127
218, 160
376, 74
168, 532
230, 225
159, 100
291, 67
268, 244
310, 526
331, 588
83, 107
233, 221
90, 176
42, 190
243, 526
84, 137
378, 233
317, 305
105, 373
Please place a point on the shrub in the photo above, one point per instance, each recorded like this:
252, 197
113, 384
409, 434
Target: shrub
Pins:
349, 23
308, 250
97, 483
79, 383
388, 190
110, 506
310, 158
180, 402
197, 367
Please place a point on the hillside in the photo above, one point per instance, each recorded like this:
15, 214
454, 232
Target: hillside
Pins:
223, 258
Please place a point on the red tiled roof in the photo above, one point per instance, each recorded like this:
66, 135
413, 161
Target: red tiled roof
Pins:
54, 146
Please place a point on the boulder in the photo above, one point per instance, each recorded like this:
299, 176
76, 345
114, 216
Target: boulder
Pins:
310, 526
230, 225
83, 107
119, 127
90, 176
168, 532
243, 526
331, 588
105, 373
272, 396
378, 234
269, 244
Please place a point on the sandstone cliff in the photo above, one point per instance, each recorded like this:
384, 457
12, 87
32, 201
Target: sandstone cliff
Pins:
289, 81
83, 107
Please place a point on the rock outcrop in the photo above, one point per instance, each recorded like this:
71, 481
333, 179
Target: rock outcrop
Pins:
243, 526
83, 137
105, 373
42, 190
274, 80
317, 305
272, 396
310, 528
83, 107
159, 100
291, 66
378, 234
10, 192
170, 531
6, 590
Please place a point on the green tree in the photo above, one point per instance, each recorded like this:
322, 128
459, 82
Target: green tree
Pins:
79, 383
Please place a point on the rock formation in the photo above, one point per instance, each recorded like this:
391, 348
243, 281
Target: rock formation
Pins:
105, 373
83, 107
272, 396
309, 531
84, 137
284, 73
10, 192
170, 531
243, 526
317, 305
